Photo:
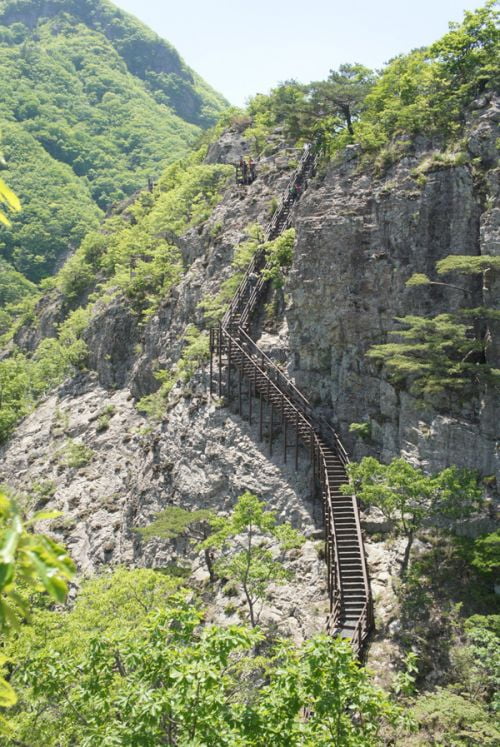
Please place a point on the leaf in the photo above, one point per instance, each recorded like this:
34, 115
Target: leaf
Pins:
9, 197
9, 547
53, 584
6, 574
8, 697
418, 279
43, 516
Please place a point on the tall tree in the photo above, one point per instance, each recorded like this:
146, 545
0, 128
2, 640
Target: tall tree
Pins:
341, 96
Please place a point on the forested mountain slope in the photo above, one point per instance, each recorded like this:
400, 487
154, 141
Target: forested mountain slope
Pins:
383, 308
93, 103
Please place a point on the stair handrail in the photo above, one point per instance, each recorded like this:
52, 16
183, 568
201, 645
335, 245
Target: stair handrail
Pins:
308, 158
331, 521
288, 387
321, 433
364, 568
335, 565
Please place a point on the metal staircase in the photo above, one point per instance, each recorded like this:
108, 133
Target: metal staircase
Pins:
241, 372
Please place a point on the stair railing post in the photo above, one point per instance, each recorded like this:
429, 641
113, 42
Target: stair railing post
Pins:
260, 415
211, 360
220, 360
239, 390
285, 423
229, 369
271, 430
296, 440
250, 398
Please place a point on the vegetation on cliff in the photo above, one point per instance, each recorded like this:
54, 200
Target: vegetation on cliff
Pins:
158, 672
424, 92
93, 103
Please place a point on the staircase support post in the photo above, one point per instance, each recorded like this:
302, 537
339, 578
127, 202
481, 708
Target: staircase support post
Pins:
229, 370
211, 361
250, 397
271, 430
220, 359
239, 392
260, 415
284, 439
296, 440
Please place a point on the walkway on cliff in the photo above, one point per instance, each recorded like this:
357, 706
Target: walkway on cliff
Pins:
241, 372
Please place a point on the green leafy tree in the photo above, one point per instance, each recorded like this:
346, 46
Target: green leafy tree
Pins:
449, 719
487, 555
323, 680
175, 521
244, 539
133, 664
279, 257
410, 498
447, 352
27, 560
340, 98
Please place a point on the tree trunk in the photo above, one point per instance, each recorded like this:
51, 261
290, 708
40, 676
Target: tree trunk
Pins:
210, 565
250, 606
346, 111
406, 558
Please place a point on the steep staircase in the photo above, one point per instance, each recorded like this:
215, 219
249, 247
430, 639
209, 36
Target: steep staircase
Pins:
240, 371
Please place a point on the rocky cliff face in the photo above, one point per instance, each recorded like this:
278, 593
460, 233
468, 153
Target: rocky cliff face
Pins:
360, 237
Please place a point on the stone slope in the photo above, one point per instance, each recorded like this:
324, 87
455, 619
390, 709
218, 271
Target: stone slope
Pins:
360, 237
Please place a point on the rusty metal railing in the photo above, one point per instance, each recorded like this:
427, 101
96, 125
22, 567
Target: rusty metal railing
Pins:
232, 339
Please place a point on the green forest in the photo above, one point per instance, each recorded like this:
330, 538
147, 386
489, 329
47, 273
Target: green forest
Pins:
84, 124
94, 105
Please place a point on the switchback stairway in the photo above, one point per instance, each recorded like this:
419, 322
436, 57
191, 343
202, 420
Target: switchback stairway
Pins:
240, 370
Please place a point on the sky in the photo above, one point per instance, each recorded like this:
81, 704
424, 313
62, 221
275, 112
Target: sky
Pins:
246, 47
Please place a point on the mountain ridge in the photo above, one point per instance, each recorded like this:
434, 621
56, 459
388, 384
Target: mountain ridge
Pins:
75, 114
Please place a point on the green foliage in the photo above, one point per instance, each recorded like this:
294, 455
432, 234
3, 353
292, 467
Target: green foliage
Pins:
409, 498
363, 430
93, 104
24, 380
250, 529
214, 307
487, 554
404, 682
279, 257
467, 264
26, 560
175, 521
154, 674
10, 200
418, 278
76, 454
446, 719
13, 285
57, 207
135, 259
438, 354
194, 353
438, 596
104, 418
338, 101
153, 405
426, 91
30, 558
142, 258
476, 661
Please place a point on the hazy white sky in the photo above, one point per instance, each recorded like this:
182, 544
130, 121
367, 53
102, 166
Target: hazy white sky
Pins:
242, 47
